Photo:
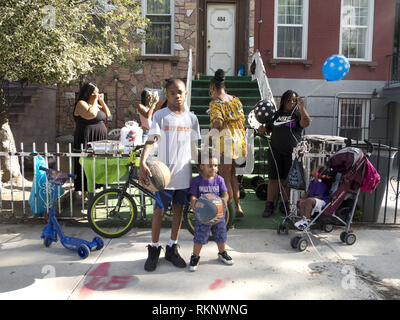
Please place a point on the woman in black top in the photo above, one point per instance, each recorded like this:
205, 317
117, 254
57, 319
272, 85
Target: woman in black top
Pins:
286, 130
90, 114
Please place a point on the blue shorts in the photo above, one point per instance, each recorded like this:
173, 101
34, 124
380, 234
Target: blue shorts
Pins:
179, 197
202, 232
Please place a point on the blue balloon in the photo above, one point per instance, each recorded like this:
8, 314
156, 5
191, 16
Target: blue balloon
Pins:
336, 67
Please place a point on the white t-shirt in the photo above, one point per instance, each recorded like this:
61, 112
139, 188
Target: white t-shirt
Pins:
175, 134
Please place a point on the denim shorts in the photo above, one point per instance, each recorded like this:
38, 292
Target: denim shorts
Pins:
179, 197
202, 232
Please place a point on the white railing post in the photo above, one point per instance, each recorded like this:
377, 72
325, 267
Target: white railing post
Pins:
262, 79
23, 178
189, 81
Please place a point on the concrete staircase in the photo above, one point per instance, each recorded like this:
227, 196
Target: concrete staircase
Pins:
248, 93
32, 115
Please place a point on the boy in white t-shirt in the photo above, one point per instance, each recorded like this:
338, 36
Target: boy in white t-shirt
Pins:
177, 132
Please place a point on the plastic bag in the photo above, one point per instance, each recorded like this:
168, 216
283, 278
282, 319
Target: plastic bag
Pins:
296, 175
39, 187
131, 135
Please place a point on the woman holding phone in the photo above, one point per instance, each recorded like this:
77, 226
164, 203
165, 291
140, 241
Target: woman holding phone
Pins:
90, 114
286, 130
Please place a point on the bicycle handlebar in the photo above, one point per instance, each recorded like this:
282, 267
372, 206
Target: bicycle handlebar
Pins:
43, 168
140, 146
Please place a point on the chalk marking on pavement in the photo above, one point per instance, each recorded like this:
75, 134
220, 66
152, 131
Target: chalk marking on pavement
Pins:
89, 269
344, 264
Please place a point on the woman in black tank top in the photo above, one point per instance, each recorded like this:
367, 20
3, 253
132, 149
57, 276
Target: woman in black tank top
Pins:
90, 114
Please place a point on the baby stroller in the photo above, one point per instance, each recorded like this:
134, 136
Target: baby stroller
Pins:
351, 172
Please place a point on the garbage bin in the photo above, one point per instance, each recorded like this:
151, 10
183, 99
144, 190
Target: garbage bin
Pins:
382, 159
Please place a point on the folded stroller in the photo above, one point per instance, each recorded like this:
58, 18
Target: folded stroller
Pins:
352, 172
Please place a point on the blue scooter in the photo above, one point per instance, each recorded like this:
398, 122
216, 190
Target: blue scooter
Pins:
53, 228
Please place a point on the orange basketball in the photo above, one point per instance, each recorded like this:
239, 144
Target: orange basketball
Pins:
160, 176
209, 209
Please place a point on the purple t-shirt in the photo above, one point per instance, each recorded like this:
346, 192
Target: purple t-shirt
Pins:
200, 186
317, 188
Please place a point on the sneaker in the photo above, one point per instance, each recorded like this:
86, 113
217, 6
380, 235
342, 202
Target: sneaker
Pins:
302, 223
152, 259
172, 255
194, 262
269, 209
225, 258
282, 206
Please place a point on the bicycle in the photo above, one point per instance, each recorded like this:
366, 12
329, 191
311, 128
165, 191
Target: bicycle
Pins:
113, 212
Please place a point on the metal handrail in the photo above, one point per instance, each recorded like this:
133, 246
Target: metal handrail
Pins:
189, 81
262, 79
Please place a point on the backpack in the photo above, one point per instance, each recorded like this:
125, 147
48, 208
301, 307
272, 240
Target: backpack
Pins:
371, 177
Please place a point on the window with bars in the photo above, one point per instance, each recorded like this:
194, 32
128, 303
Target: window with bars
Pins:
353, 118
356, 29
160, 32
291, 25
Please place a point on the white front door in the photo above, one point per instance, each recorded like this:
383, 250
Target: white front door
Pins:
221, 38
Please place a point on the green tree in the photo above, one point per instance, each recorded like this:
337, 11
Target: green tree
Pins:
58, 41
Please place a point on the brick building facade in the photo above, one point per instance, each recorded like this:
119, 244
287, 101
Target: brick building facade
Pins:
123, 87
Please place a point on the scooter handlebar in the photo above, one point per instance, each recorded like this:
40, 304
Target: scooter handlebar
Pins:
73, 176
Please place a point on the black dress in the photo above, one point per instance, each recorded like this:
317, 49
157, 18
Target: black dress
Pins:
86, 131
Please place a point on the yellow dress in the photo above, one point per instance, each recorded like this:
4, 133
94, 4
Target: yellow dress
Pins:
233, 132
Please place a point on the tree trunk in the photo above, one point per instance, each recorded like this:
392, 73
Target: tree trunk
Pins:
7, 144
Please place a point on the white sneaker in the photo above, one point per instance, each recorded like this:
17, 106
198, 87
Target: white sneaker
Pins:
194, 262
225, 258
302, 223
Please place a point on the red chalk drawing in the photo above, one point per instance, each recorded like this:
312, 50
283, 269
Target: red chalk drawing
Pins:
101, 281
219, 284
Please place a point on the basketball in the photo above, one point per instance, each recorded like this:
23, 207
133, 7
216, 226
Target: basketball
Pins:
160, 176
264, 111
209, 209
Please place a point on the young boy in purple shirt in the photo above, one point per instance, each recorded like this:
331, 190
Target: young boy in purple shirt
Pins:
209, 182
317, 195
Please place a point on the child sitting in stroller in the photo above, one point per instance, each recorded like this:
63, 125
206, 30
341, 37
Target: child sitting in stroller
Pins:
316, 196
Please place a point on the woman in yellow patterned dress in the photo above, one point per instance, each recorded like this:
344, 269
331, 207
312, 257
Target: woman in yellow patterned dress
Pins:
227, 122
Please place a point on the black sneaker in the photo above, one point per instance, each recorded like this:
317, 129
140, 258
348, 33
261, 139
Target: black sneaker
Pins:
225, 258
269, 209
194, 262
172, 255
152, 259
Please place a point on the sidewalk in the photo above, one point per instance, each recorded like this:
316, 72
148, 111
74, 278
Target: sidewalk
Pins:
266, 267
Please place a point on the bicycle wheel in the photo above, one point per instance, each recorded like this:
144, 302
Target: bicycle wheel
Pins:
104, 216
188, 218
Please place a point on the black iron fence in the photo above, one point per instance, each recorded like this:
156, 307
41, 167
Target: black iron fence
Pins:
394, 76
385, 199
